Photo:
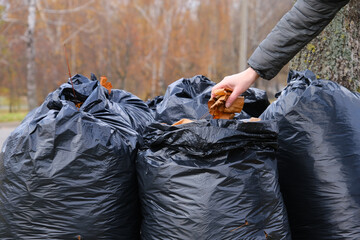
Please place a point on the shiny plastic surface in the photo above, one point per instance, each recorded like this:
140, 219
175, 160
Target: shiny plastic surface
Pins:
69, 173
319, 157
212, 179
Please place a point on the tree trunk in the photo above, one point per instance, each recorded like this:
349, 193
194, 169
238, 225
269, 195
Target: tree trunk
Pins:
30, 50
335, 53
154, 76
244, 36
165, 48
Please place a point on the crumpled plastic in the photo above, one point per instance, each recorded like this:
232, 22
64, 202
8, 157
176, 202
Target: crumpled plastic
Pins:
68, 172
319, 157
212, 179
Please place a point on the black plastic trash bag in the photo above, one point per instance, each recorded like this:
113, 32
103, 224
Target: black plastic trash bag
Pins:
188, 98
69, 173
256, 102
134, 110
319, 157
152, 103
212, 179
185, 98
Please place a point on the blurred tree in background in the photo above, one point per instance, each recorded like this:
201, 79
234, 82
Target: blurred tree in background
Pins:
140, 45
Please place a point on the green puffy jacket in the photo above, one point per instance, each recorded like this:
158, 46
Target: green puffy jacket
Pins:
298, 27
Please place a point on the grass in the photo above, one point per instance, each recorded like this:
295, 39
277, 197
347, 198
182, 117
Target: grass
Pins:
12, 117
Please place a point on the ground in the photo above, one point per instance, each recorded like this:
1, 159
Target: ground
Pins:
6, 129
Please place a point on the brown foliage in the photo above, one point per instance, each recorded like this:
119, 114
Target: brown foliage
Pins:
140, 45
217, 107
105, 83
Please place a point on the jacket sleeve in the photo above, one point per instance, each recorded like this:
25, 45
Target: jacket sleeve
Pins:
299, 26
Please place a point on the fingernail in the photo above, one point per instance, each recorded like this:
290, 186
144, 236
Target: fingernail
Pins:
227, 105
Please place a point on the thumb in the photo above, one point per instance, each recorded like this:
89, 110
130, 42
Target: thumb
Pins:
232, 97
216, 87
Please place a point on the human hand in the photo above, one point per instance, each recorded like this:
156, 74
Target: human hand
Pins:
238, 83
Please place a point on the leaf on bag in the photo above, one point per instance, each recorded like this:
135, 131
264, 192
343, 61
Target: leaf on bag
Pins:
105, 83
254, 119
217, 107
182, 121
78, 105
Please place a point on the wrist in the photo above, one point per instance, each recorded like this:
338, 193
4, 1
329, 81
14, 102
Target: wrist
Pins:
252, 73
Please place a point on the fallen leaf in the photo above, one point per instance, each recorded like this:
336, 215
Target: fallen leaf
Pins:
182, 121
105, 83
217, 107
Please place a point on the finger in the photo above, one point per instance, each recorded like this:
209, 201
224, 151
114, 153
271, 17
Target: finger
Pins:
232, 97
217, 86
212, 92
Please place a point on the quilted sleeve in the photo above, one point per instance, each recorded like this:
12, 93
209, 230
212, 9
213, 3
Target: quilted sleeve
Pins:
299, 26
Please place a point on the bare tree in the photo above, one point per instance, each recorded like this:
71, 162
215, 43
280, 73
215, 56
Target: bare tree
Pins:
161, 17
166, 35
30, 50
243, 36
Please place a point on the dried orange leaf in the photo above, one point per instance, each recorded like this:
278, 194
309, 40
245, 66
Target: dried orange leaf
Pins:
223, 115
105, 83
237, 106
217, 103
182, 121
78, 105
251, 120
254, 119
220, 92
210, 103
